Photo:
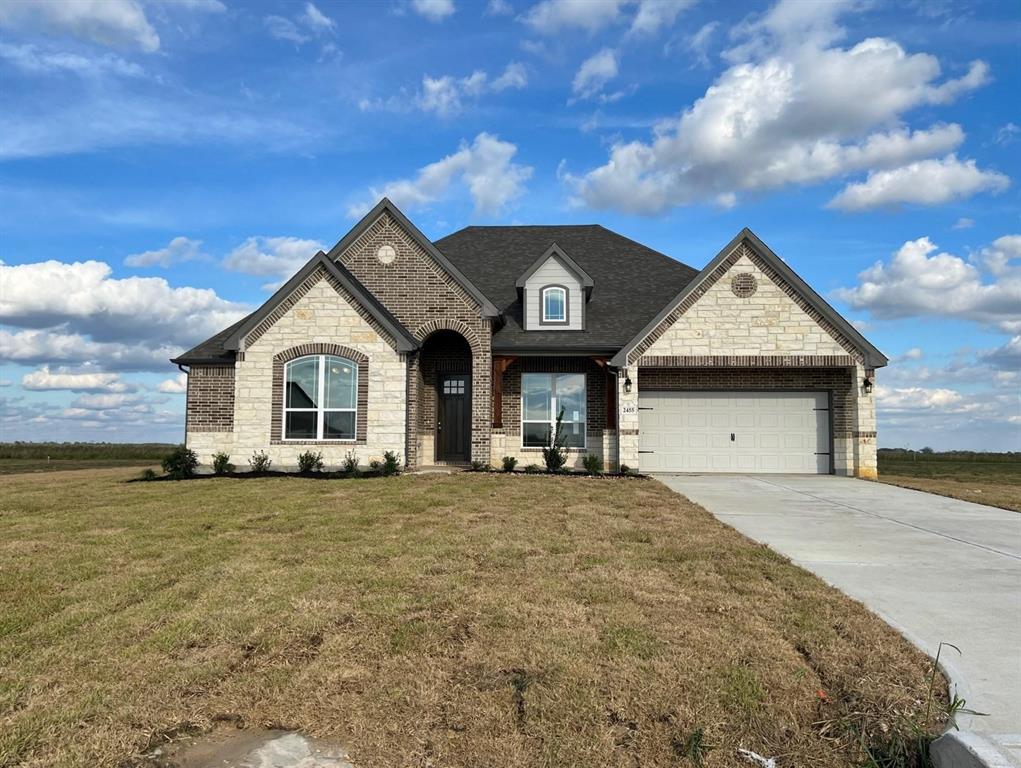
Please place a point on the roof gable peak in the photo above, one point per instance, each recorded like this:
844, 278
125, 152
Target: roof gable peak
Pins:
555, 251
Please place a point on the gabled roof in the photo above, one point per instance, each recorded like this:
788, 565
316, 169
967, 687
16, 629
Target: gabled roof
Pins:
384, 205
873, 357
557, 251
222, 346
634, 282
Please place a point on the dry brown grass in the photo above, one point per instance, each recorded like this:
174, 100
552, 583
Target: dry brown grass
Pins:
468, 620
996, 493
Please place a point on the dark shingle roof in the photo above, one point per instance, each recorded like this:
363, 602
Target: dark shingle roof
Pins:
212, 350
631, 282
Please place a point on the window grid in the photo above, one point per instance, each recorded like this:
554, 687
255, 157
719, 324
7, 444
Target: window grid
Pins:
321, 410
554, 304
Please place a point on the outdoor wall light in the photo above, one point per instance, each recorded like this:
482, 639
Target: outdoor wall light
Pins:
866, 385
627, 383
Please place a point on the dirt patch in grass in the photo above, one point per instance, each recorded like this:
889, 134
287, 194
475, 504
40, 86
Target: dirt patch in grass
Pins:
456, 620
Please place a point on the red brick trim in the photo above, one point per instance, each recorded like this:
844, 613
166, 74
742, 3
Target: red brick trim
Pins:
722, 268
277, 409
210, 398
742, 361
448, 324
866, 434
295, 296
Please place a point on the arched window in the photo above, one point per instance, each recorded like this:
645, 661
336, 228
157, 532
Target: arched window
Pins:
554, 304
320, 398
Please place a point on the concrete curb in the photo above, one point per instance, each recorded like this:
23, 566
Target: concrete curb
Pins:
967, 749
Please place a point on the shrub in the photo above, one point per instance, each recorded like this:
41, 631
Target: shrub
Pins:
221, 463
480, 466
260, 462
625, 469
149, 474
556, 456
376, 465
509, 462
310, 462
593, 463
391, 463
350, 463
533, 469
180, 463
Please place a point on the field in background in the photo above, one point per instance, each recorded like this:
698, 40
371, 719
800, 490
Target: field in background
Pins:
985, 478
456, 620
48, 457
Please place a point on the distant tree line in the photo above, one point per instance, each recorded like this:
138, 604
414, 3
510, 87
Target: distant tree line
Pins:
928, 454
23, 450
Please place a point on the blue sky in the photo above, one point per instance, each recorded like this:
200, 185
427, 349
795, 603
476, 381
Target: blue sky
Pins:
165, 163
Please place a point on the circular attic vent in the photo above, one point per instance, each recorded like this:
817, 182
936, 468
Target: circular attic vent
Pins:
743, 285
386, 254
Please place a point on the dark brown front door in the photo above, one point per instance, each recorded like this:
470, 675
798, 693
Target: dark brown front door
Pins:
453, 417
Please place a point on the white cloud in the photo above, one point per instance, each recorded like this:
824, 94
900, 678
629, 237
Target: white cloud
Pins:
1007, 134
108, 22
34, 60
34, 347
285, 29
924, 182
964, 223
316, 19
552, 16
919, 282
485, 167
88, 381
698, 44
915, 353
498, 8
790, 110
443, 95
1006, 357
594, 73
434, 10
999, 257
103, 402
916, 398
275, 256
179, 249
175, 386
84, 297
653, 15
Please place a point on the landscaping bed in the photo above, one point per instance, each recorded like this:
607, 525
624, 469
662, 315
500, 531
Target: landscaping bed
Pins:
448, 620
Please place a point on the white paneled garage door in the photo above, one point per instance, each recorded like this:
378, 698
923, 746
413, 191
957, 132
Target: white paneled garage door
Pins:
734, 432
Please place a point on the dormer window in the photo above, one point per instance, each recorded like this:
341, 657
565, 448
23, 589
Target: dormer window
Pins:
554, 304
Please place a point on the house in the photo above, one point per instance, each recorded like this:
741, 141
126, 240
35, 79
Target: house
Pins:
469, 347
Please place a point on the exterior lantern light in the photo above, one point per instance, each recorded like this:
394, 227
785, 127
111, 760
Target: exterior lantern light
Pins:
627, 383
866, 385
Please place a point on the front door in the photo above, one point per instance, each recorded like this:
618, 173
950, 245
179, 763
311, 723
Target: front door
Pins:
453, 417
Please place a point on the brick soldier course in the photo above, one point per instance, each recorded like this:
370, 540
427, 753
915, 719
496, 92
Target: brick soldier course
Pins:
405, 311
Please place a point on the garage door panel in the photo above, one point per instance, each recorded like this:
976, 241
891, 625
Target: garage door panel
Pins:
773, 432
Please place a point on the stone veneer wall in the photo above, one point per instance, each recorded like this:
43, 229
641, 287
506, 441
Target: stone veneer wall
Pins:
419, 293
506, 440
316, 314
210, 398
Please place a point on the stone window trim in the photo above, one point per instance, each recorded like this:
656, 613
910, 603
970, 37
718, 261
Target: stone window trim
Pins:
304, 350
543, 322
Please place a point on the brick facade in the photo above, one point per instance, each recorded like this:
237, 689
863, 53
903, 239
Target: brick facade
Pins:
426, 299
210, 398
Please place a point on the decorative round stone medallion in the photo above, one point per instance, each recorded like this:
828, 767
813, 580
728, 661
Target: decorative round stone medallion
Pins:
386, 254
743, 285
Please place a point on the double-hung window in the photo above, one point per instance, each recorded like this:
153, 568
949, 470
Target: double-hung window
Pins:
320, 398
543, 397
554, 304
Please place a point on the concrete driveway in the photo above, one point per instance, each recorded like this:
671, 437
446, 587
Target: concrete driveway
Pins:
938, 569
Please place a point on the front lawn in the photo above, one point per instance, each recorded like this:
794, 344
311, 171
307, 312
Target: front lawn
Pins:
993, 479
462, 620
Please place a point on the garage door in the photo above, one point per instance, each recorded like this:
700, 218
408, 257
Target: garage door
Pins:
734, 432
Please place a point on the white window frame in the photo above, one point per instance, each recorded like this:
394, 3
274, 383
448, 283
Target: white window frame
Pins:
554, 410
321, 410
542, 304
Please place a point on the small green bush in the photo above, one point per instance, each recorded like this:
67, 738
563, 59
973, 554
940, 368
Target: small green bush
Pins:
509, 462
149, 474
480, 466
350, 463
593, 463
180, 463
533, 469
625, 469
310, 462
556, 455
221, 463
376, 465
260, 462
391, 463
